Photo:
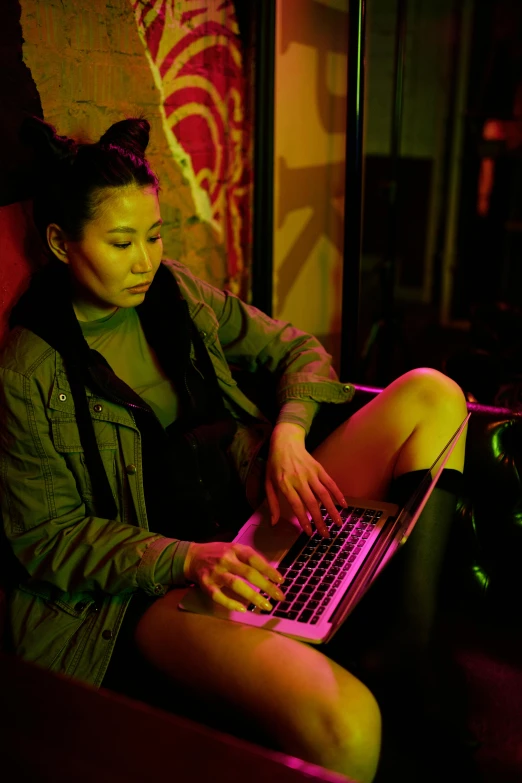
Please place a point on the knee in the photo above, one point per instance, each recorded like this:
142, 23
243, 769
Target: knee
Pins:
435, 391
344, 734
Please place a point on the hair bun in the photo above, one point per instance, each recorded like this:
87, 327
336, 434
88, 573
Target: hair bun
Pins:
47, 144
131, 134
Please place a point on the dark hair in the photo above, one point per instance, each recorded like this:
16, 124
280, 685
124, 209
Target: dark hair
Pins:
70, 177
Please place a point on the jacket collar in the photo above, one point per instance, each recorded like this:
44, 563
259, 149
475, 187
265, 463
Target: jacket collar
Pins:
46, 309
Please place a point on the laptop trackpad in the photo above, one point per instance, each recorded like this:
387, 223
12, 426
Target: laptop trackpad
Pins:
271, 542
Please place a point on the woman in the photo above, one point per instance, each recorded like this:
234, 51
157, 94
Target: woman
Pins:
125, 442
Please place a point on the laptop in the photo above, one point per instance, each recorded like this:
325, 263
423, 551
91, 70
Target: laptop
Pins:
325, 578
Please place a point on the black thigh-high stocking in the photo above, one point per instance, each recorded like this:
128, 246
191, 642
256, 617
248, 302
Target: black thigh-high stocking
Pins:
407, 665
421, 559
392, 626
390, 631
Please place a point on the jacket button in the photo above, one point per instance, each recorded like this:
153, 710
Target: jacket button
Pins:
80, 606
62, 397
202, 334
107, 634
347, 387
131, 469
98, 408
158, 589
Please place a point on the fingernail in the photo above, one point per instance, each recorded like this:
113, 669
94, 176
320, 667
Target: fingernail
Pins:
266, 605
279, 595
241, 608
344, 502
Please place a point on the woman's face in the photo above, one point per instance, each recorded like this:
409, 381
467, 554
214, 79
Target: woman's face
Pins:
115, 262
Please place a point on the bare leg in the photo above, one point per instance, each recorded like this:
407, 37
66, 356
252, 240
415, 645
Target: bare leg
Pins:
401, 430
308, 705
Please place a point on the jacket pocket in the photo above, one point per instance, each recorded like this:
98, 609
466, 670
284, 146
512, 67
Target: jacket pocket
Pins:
48, 632
66, 439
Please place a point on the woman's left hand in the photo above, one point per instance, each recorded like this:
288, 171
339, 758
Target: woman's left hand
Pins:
293, 474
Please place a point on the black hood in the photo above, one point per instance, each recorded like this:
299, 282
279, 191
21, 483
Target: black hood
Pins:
46, 309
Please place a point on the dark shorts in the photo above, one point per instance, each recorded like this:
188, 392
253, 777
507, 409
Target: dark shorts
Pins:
128, 671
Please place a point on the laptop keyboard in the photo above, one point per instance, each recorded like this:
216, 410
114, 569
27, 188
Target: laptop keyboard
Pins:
315, 567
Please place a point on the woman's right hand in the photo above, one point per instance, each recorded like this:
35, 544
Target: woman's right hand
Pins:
225, 570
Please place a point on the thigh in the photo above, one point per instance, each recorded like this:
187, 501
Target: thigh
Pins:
360, 454
228, 667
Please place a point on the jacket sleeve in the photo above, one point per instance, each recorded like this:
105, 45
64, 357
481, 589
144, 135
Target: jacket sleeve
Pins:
251, 339
45, 520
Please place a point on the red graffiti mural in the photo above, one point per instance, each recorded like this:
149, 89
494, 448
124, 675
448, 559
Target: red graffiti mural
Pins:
195, 53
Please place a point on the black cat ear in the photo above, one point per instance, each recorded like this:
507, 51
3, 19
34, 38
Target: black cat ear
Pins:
131, 134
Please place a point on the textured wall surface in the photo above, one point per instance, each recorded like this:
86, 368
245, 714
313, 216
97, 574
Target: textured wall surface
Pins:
83, 67
179, 64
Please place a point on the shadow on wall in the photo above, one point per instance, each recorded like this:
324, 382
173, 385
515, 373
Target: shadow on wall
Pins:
20, 242
18, 97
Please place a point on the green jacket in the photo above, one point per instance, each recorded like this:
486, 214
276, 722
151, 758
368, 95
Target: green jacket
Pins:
80, 571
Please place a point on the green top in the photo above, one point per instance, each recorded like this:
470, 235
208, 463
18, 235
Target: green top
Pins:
120, 339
